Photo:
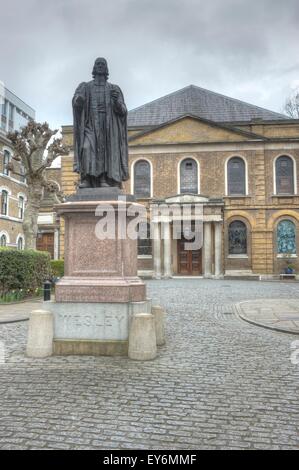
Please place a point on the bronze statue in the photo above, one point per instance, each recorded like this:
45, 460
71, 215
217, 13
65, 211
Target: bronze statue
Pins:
100, 131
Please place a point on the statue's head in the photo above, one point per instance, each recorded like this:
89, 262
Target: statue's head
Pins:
100, 67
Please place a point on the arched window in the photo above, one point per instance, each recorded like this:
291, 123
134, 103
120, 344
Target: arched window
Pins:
21, 207
188, 176
284, 173
6, 160
237, 238
20, 244
142, 179
3, 240
236, 177
4, 202
144, 240
286, 237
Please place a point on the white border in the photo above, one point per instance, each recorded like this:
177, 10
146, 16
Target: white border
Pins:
6, 149
8, 191
151, 175
226, 178
24, 204
191, 157
294, 175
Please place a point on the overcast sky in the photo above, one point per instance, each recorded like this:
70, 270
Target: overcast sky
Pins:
247, 49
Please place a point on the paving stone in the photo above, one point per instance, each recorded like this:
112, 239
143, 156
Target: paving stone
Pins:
218, 383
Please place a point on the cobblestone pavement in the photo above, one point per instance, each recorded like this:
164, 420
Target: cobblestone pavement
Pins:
277, 314
219, 382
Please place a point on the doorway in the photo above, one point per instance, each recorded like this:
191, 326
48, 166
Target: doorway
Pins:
189, 261
45, 242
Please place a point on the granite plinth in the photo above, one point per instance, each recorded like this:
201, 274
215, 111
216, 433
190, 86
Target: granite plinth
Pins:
100, 194
74, 289
96, 269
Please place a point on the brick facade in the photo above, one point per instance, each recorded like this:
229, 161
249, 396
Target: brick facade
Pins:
11, 223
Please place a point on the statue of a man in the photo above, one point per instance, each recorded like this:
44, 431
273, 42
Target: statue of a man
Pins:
100, 131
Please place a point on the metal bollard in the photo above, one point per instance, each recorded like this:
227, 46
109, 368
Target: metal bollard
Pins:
47, 291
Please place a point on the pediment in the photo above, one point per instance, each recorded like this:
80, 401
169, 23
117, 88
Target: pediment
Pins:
186, 199
189, 129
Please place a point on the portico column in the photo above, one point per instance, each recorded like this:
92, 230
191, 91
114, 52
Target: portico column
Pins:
157, 250
218, 249
56, 243
167, 249
207, 249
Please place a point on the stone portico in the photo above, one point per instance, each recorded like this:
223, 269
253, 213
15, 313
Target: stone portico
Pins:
205, 218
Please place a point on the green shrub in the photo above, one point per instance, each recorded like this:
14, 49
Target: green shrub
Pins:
57, 267
24, 270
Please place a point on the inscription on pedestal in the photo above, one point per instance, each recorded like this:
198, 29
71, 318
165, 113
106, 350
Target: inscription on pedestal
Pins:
105, 322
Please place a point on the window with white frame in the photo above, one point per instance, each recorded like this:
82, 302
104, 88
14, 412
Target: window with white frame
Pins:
236, 177
21, 207
188, 176
4, 202
284, 175
142, 179
6, 160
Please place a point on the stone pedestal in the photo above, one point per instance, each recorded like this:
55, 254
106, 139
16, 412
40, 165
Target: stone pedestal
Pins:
100, 290
143, 342
40, 334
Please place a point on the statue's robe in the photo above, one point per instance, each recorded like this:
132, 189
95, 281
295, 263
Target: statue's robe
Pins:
100, 139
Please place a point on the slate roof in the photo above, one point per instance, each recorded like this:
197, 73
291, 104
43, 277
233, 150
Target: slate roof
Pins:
199, 102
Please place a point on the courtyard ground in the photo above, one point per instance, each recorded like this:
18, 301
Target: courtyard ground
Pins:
218, 383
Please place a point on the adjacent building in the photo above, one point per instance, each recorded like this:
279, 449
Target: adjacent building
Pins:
238, 161
13, 188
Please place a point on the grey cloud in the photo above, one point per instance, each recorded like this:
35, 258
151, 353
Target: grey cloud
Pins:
248, 50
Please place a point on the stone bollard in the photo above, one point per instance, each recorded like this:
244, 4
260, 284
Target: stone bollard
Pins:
142, 337
159, 316
40, 334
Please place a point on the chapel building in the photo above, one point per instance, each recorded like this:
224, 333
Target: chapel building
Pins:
235, 160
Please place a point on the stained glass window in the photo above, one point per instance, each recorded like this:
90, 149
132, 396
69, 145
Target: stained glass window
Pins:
188, 176
284, 175
237, 238
142, 179
286, 237
236, 179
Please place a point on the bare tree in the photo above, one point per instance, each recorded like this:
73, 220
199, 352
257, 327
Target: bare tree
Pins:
291, 107
35, 152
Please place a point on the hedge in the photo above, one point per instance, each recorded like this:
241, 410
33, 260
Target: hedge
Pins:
57, 267
23, 269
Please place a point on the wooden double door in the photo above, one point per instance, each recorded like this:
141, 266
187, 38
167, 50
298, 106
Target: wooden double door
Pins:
45, 242
189, 261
